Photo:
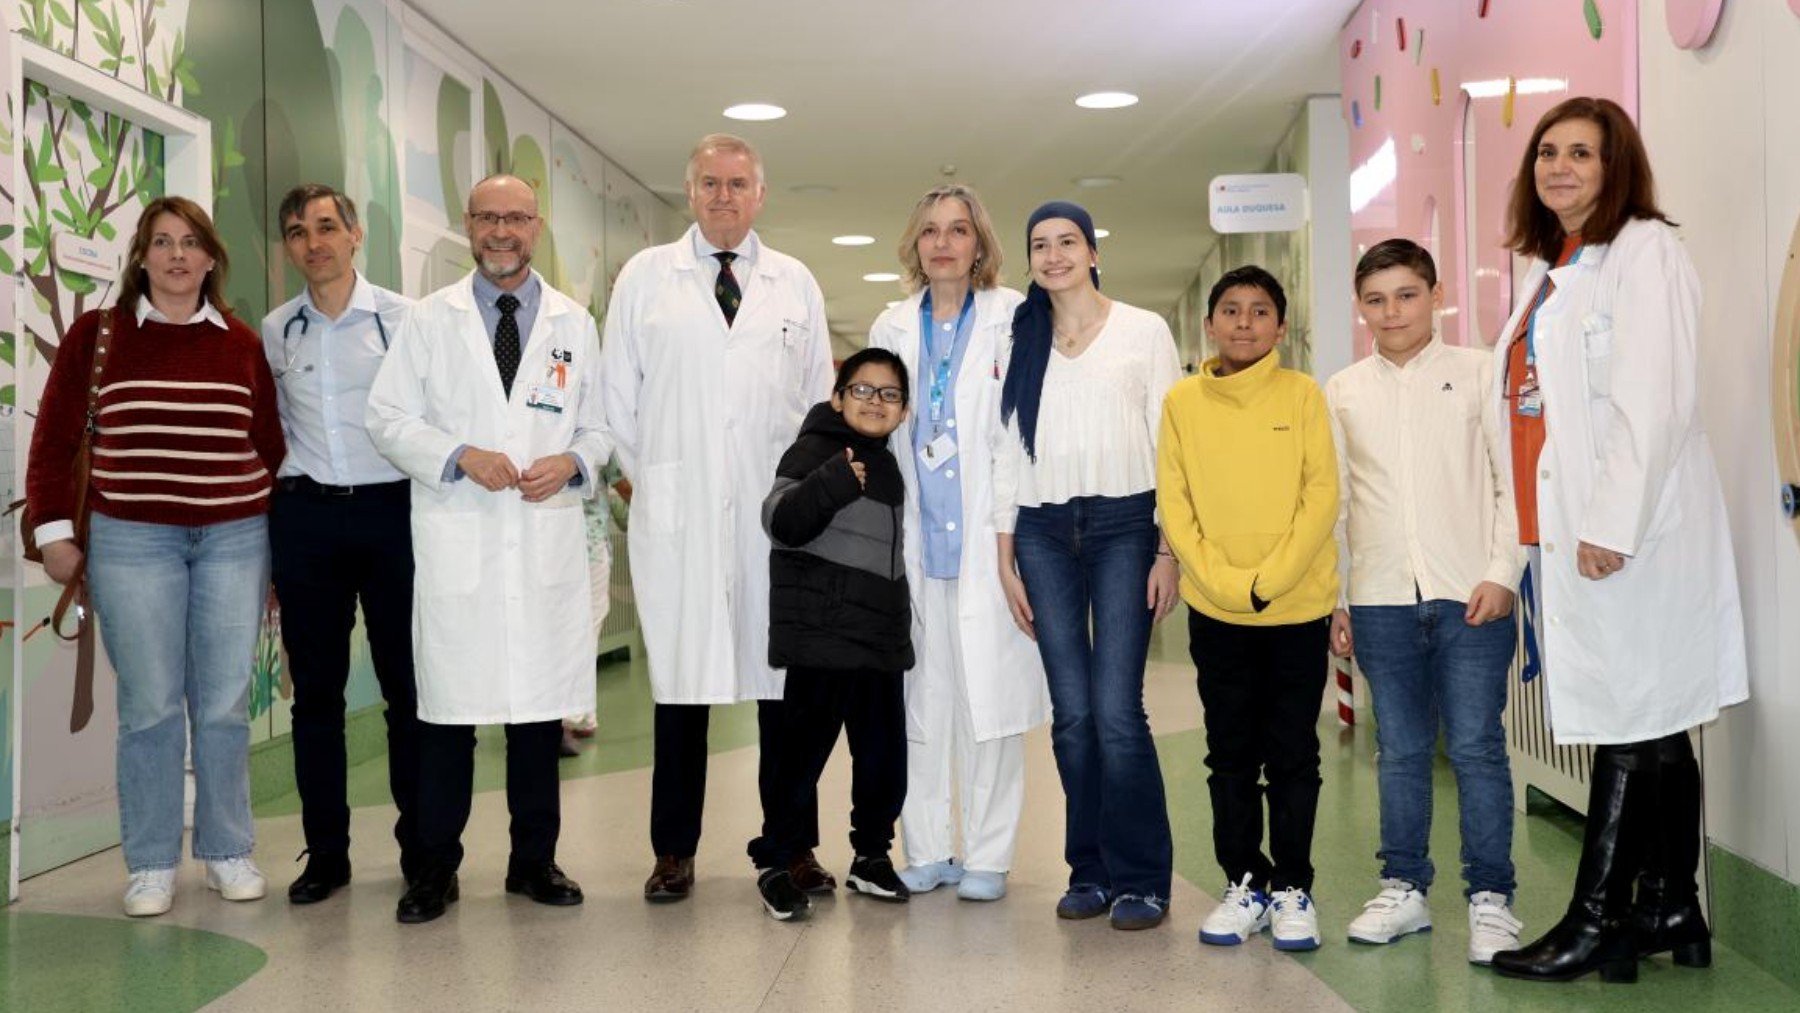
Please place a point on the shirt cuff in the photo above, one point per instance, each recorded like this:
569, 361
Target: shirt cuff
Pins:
55, 531
581, 476
452, 470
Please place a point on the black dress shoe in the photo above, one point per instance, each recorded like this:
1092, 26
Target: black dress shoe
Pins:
544, 883
428, 897
324, 873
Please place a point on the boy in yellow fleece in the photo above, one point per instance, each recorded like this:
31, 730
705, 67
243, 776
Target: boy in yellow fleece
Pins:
1248, 489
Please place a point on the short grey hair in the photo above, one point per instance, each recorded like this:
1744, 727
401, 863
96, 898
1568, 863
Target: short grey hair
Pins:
723, 142
293, 205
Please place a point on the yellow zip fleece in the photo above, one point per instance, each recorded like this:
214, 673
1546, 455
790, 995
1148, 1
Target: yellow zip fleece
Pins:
1246, 480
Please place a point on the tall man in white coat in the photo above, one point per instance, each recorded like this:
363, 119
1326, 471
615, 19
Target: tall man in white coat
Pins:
489, 401
715, 348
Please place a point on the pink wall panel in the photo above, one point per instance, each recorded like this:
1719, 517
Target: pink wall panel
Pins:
1441, 96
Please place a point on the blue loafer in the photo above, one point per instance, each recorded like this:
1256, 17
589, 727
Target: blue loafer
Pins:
1083, 900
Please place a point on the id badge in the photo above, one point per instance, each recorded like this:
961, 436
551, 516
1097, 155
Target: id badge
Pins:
547, 397
934, 454
1531, 402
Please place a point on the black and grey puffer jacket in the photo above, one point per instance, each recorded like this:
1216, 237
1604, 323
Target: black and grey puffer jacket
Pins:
837, 582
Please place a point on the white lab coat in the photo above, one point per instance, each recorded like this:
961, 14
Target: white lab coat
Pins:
701, 414
1657, 647
503, 627
1004, 674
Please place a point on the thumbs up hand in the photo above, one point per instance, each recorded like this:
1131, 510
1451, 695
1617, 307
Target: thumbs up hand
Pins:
861, 469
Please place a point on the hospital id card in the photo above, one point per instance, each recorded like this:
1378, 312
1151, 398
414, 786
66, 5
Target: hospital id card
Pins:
934, 454
547, 397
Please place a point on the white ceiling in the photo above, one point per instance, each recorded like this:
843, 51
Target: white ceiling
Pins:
881, 97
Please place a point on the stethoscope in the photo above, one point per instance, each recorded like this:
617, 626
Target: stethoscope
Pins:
300, 317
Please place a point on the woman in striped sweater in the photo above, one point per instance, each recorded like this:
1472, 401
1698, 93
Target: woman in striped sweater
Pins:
186, 440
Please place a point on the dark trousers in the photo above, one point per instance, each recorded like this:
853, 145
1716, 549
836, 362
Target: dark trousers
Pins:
533, 790
1261, 688
869, 707
678, 781
327, 552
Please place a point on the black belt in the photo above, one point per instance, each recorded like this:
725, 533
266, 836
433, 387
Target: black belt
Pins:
305, 484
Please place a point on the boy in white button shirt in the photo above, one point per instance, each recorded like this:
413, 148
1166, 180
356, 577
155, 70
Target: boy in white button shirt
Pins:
1430, 533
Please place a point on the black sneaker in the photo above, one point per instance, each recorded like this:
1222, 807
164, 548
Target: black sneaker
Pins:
877, 878
780, 897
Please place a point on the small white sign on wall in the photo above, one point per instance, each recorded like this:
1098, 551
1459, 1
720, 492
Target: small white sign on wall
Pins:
1259, 202
86, 256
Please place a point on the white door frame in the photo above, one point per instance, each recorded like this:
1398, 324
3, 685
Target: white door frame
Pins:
187, 170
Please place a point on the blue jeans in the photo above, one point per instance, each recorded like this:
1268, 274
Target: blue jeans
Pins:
1088, 560
179, 609
1423, 663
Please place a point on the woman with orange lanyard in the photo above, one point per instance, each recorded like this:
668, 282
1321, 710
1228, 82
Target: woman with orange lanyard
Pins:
1619, 502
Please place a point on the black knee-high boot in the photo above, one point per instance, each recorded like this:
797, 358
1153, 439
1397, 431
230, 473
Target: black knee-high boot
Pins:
1596, 934
1667, 915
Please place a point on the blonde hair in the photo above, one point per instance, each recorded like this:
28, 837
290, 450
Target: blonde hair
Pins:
723, 142
987, 245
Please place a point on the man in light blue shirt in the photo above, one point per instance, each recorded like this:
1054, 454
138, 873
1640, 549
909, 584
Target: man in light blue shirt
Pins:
339, 529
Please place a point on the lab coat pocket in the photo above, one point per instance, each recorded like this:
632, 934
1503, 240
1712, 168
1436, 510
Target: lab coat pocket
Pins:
656, 506
1596, 350
559, 553
449, 552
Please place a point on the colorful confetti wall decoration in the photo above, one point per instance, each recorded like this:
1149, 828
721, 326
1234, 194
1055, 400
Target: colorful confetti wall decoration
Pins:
1507, 103
1377, 92
1590, 9
1437, 88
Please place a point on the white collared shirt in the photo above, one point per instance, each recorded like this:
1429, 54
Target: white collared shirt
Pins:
1427, 506
323, 369
208, 313
741, 268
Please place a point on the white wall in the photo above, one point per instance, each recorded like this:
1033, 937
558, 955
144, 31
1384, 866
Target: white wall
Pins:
1725, 144
1328, 179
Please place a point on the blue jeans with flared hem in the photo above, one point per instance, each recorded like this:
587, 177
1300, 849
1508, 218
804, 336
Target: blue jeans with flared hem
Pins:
1427, 667
179, 609
1086, 565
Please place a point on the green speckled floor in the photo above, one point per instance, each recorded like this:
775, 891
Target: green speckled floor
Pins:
719, 952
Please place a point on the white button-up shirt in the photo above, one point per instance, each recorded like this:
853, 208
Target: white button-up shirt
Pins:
1428, 509
323, 369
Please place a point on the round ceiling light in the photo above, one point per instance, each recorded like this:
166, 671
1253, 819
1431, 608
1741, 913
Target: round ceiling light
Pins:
755, 111
1102, 233
1107, 100
881, 276
853, 240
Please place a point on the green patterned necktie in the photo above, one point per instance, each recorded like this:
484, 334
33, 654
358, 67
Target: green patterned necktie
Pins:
726, 289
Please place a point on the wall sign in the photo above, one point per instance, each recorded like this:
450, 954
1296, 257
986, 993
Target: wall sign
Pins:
86, 256
1262, 202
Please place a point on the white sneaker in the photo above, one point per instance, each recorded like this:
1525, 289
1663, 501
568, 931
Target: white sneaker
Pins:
1397, 910
150, 893
1492, 927
1242, 913
236, 878
1293, 920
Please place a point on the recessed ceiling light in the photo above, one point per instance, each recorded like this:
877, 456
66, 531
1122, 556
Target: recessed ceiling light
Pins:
755, 111
812, 189
1095, 182
853, 240
1107, 100
881, 276
1102, 233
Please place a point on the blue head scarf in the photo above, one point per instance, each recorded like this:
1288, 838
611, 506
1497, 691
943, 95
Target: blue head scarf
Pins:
1031, 332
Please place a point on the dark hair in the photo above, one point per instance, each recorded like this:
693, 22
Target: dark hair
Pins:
136, 282
1032, 326
1627, 189
294, 205
1249, 276
875, 357
1396, 253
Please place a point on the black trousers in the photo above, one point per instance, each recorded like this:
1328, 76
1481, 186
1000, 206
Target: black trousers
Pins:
678, 780
868, 706
1261, 688
329, 551
533, 791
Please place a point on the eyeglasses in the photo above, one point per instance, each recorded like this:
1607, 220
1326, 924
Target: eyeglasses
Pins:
869, 392
513, 220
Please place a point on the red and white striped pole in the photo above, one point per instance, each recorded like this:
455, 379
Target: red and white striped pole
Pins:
1346, 692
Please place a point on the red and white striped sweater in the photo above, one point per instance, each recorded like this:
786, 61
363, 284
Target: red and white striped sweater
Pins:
188, 432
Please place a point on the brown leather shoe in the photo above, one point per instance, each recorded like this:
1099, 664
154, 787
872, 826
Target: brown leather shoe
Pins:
810, 876
671, 880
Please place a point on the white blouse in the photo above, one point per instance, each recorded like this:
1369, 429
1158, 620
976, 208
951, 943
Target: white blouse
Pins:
1097, 421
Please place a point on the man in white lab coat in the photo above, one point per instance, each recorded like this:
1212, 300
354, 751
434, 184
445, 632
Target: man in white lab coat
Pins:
489, 402
715, 348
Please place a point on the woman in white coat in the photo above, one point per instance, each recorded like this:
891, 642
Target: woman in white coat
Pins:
1620, 502
978, 685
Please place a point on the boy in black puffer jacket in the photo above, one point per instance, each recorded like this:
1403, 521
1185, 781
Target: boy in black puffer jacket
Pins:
840, 622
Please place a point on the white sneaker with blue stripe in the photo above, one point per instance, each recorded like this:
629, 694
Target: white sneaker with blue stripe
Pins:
1242, 913
1293, 920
